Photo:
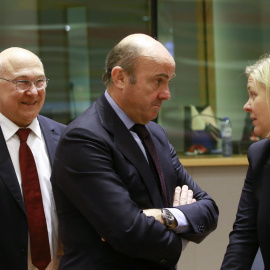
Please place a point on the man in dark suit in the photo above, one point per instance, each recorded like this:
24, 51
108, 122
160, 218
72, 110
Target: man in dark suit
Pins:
22, 95
109, 187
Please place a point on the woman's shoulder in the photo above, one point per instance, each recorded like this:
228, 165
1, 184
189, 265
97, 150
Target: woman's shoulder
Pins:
260, 145
259, 150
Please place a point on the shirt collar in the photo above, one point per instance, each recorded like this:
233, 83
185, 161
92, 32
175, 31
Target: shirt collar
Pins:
121, 114
9, 128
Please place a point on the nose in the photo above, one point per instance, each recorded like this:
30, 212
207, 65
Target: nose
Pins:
32, 90
165, 93
247, 106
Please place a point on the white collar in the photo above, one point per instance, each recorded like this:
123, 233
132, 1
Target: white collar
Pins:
9, 128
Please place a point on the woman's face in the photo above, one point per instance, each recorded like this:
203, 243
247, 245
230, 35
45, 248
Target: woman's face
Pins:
257, 107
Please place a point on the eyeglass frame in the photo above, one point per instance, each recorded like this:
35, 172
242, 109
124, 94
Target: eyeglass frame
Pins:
33, 82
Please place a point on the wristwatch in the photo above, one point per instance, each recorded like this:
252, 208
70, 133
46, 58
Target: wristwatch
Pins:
167, 216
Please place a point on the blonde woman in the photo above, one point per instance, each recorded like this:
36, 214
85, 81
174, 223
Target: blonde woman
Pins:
251, 229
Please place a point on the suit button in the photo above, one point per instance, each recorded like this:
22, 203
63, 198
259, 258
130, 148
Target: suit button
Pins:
22, 252
201, 228
163, 262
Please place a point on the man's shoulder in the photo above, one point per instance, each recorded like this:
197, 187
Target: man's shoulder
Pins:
87, 123
86, 118
43, 120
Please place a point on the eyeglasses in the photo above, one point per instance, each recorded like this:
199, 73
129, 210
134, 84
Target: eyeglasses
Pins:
24, 85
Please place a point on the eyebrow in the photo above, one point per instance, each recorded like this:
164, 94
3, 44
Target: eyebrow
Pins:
165, 75
25, 77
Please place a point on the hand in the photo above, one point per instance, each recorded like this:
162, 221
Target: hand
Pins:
183, 196
156, 213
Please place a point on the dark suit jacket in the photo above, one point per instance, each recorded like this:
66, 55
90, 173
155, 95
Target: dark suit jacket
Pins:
251, 228
13, 225
101, 181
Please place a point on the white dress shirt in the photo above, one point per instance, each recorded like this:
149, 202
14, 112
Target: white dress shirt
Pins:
38, 147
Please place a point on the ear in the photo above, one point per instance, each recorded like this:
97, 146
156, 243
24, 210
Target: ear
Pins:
119, 76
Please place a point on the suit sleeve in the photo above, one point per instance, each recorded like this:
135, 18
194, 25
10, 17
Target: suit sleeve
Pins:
201, 215
84, 170
243, 244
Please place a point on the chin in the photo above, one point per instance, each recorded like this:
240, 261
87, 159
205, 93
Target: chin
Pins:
28, 119
261, 134
153, 117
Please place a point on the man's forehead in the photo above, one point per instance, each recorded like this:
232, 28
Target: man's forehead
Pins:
21, 65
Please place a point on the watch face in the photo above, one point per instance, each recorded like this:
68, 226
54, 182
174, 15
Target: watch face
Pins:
168, 217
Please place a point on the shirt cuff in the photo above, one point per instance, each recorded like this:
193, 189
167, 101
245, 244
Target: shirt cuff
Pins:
183, 225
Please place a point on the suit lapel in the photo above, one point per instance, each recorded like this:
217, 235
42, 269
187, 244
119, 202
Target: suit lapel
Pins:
127, 145
125, 142
165, 165
7, 173
51, 137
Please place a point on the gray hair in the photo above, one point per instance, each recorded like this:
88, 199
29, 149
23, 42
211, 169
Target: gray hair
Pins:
124, 55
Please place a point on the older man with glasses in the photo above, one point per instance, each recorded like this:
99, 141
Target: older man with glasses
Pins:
28, 228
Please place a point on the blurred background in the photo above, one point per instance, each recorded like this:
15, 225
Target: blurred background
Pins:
211, 41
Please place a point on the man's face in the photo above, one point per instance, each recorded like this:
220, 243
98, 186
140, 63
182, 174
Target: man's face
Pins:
142, 100
21, 107
257, 107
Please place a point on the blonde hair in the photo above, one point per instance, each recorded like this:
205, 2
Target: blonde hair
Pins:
260, 72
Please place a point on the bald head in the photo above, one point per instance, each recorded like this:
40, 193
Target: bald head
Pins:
139, 40
146, 45
13, 59
18, 105
128, 52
